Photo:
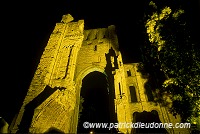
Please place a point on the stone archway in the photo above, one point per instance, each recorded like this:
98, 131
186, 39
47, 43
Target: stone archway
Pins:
95, 91
147, 117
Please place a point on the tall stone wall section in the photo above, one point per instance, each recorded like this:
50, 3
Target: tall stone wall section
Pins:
92, 53
56, 69
98, 43
143, 104
122, 107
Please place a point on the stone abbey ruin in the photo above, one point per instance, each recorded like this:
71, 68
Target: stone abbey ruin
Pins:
72, 53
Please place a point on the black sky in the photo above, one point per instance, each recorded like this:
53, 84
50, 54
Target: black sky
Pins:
26, 27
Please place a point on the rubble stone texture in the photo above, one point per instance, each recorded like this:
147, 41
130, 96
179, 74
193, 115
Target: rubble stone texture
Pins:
52, 100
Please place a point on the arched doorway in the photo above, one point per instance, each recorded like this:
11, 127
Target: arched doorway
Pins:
147, 117
95, 107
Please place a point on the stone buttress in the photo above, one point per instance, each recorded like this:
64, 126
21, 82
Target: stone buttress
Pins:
51, 95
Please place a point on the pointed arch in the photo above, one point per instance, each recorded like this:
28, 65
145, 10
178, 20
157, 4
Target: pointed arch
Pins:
86, 71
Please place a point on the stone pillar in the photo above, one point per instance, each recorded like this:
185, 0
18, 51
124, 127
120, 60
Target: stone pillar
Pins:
121, 102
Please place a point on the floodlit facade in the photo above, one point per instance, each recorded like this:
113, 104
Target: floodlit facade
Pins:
52, 100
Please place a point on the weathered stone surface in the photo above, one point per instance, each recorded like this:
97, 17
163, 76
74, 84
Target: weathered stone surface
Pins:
136, 79
71, 54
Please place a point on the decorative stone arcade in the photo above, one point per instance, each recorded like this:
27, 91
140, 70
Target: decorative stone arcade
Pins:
52, 100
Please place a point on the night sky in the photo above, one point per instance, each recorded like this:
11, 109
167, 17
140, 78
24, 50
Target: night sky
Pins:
26, 27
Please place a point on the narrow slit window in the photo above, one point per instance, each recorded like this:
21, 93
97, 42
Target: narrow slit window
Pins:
129, 73
133, 94
95, 48
120, 92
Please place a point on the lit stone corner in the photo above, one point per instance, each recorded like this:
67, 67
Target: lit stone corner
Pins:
67, 18
81, 26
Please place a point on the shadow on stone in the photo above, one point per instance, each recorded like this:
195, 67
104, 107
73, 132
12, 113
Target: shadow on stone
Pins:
109, 69
29, 109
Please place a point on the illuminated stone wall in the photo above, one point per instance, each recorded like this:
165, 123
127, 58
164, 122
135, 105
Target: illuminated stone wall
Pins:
55, 71
136, 79
52, 100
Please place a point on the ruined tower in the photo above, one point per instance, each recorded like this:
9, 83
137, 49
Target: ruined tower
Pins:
52, 100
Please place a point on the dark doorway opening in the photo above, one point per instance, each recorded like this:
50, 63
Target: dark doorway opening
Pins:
148, 117
96, 106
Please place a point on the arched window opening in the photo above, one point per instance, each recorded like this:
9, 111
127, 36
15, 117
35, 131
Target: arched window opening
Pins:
147, 118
